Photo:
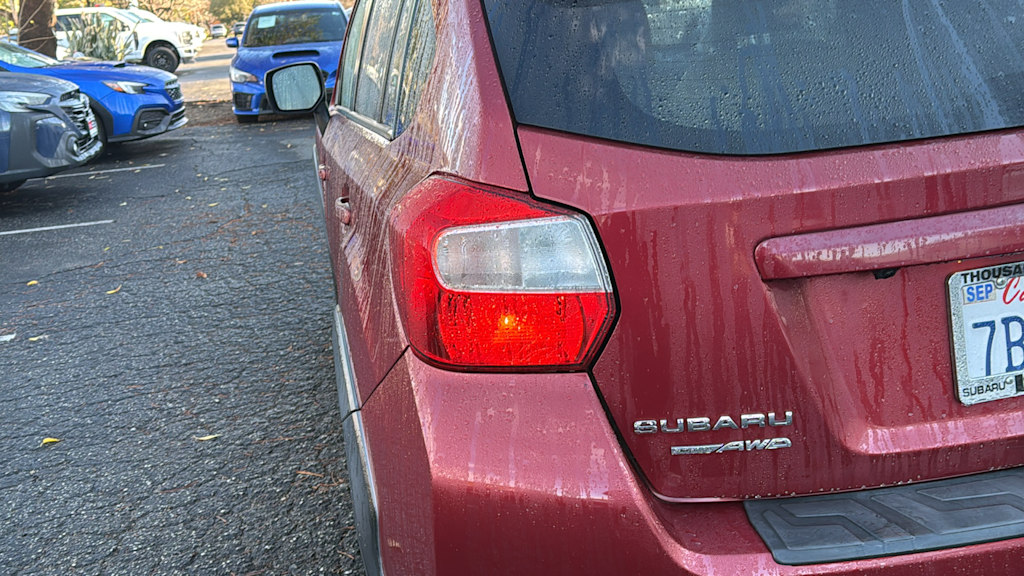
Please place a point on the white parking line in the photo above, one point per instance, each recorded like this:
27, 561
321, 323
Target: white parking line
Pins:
105, 171
47, 228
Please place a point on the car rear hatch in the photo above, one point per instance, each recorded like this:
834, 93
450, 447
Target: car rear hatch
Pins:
812, 218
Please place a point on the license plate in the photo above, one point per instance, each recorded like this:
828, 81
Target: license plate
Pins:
986, 308
92, 128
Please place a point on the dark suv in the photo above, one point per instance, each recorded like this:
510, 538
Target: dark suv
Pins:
45, 126
679, 287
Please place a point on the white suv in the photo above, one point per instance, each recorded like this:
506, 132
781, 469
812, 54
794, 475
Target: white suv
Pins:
158, 44
197, 33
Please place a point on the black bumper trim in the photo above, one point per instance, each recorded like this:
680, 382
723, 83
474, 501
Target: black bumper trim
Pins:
889, 521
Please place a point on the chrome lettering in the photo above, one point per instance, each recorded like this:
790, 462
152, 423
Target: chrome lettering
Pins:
679, 426
645, 426
698, 424
736, 446
773, 421
725, 422
748, 420
758, 444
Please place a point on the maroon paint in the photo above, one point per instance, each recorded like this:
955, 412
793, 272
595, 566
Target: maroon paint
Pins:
863, 363
374, 172
930, 240
526, 474
522, 474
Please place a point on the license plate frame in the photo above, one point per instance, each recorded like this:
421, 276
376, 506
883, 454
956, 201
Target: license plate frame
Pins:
986, 311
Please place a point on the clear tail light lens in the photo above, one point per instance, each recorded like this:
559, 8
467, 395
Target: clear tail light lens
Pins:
494, 279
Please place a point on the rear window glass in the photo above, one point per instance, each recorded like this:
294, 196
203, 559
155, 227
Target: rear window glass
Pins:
765, 76
294, 27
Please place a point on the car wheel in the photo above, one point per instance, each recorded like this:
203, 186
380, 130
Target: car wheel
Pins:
246, 119
163, 58
10, 186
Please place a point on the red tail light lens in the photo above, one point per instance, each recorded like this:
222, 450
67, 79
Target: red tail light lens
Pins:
494, 279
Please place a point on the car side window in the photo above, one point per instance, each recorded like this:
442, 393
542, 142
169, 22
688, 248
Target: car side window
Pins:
66, 23
398, 51
352, 50
375, 58
418, 61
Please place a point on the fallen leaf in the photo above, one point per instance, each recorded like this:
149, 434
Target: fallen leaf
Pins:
32, 283
123, 204
212, 204
49, 441
205, 438
200, 274
115, 290
106, 249
304, 473
181, 261
38, 338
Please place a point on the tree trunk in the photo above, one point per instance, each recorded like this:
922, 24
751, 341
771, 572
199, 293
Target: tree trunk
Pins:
35, 30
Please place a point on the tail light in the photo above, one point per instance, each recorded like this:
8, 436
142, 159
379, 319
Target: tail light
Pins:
493, 279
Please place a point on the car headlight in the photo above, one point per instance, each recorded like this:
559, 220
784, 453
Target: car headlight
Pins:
240, 76
20, 101
126, 87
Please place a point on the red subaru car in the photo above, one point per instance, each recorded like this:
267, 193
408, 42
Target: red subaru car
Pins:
678, 286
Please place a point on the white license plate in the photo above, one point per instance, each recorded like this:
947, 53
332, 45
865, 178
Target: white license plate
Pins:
92, 128
986, 308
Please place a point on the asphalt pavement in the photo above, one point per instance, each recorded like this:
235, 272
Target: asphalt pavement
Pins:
167, 399
205, 78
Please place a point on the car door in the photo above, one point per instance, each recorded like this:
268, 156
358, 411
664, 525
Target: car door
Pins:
362, 172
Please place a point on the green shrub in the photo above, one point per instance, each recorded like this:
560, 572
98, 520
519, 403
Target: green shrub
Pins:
94, 38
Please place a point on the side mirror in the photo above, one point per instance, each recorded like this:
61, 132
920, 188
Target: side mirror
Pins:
295, 88
232, 42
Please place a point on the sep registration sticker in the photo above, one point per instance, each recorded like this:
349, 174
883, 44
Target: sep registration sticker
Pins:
986, 308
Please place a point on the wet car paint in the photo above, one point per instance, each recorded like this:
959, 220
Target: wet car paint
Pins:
869, 407
474, 469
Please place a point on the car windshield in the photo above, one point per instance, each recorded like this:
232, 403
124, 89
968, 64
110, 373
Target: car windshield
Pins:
766, 77
132, 16
294, 27
146, 16
23, 58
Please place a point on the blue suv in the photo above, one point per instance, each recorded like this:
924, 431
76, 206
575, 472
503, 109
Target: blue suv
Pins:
279, 34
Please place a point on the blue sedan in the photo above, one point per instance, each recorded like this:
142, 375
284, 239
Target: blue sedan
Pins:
130, 101
279, 34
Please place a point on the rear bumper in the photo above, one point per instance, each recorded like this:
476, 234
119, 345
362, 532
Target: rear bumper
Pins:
522, 474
